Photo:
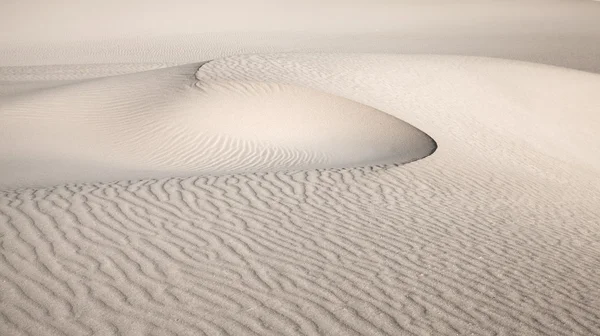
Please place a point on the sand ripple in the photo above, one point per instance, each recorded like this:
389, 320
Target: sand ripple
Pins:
497, 233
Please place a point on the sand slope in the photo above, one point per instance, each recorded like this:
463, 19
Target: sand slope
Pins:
166, 122
495, 233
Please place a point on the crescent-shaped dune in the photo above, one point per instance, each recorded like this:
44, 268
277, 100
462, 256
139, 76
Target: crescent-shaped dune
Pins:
264, 192
167, 123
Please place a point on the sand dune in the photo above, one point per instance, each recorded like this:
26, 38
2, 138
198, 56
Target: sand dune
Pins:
456, 100
23, 79
261, 194
167, 123
495, 233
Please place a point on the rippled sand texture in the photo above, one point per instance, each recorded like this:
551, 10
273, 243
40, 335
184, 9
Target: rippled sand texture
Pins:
496, 233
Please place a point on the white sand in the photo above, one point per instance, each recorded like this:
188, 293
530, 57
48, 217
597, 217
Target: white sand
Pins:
494, 233
167, 123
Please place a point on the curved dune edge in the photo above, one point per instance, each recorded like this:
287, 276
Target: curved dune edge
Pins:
165, 122
460, 101
497, 233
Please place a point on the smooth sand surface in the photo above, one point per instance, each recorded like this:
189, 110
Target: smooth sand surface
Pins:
166, 122
304, 193
557, 32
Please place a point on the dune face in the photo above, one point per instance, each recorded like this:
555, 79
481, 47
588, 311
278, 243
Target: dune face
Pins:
456, 100
143, 192
165, 122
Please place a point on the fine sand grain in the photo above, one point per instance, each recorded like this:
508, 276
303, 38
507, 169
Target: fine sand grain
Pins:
157, 181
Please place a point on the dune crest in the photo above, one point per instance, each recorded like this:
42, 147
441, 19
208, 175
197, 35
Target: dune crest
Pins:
166, 122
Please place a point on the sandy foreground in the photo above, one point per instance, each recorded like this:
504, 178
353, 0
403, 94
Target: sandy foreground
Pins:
323, 168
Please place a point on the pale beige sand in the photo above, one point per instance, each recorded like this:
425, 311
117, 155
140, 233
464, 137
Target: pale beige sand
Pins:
166, 122
495, 233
